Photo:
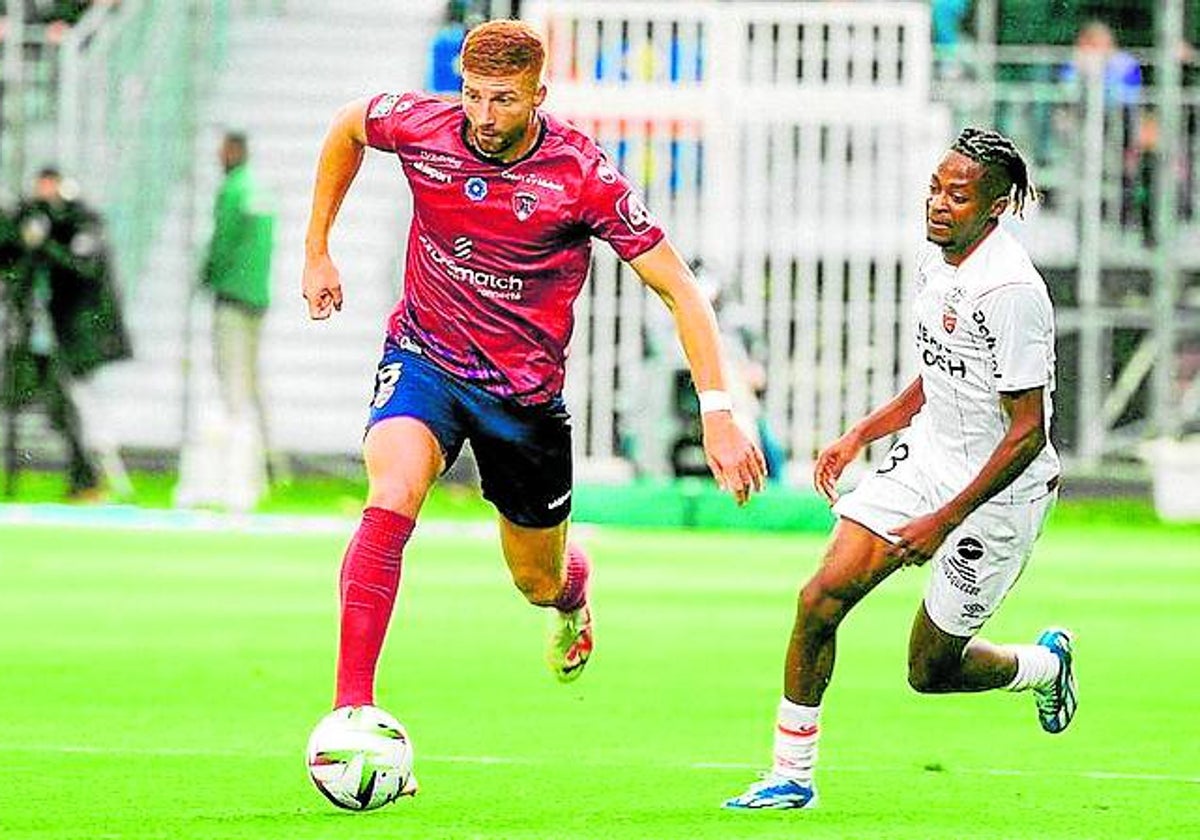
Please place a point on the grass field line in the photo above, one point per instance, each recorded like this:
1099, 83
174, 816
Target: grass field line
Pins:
207, 752
129, 517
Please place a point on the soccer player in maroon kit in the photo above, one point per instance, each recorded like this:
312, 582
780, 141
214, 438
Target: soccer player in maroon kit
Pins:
506, 201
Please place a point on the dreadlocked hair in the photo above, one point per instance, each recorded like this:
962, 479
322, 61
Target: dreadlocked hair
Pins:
1005, 169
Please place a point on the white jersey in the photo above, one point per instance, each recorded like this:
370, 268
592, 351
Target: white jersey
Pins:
983, 328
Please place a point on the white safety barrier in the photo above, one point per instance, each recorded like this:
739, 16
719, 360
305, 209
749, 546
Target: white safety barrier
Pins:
787, 144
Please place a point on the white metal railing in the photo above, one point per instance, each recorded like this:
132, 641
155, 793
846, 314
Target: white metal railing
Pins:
786, 144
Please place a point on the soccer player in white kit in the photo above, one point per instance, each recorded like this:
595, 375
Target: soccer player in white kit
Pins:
967, 484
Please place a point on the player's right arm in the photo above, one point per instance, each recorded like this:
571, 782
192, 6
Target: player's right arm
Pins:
889, 418
341, 156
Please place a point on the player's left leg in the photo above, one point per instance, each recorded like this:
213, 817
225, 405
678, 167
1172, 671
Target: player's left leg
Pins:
525, 470
971, 575
549, 572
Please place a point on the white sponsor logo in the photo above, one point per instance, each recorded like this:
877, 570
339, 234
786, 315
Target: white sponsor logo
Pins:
430, 172
634, 213
384, 106
411, 346
606, 173
448, 161
463, 247
486, 284
532, 179
559, 502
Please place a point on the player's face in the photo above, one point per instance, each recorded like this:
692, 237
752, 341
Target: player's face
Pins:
959, 211
500, 112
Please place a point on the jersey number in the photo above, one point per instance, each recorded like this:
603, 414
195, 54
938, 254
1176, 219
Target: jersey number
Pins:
899, 453
385, 383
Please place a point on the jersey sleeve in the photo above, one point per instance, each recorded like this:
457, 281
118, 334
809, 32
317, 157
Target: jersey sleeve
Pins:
613, 211
389, 120
1018, 325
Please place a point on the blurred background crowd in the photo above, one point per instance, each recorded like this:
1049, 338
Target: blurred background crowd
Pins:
155, 162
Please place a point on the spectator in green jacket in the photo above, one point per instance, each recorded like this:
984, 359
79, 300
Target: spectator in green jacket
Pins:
237, 270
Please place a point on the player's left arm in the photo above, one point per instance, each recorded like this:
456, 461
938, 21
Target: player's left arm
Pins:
735, 460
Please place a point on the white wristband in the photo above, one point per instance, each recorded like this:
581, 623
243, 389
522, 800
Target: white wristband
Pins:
711, 401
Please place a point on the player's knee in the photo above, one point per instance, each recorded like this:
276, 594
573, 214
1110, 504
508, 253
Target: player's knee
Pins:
399, 497
821, 609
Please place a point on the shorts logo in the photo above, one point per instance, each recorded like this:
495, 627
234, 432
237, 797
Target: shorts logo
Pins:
970, 549
524, 203
634, 213
385, 383
463, 247
559, 502
949, 319
384, 106
476, 189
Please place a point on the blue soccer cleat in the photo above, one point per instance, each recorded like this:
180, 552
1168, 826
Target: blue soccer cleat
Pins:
1056, 703
774, 793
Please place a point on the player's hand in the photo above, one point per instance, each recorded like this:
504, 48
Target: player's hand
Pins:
919, 539
322, 287
832, 460
735, 460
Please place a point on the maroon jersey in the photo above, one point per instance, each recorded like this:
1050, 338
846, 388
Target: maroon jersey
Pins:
498, 252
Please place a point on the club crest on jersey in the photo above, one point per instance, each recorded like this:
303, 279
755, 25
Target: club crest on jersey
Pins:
524, 203
476, 189
634, 213
949, 319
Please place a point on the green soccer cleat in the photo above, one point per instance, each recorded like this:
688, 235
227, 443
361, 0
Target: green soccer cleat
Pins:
570, 644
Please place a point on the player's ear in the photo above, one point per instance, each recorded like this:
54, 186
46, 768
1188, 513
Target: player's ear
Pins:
998, 208
540, 96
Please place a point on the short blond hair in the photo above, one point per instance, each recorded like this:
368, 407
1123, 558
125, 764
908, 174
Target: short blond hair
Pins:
504, 48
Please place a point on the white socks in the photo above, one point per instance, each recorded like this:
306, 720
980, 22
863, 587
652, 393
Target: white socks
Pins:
796, 733
1037, 667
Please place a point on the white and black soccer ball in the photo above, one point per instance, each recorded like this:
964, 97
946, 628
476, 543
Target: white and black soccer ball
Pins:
361, 758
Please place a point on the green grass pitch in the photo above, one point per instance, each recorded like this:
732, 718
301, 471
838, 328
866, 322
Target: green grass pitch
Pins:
161, 684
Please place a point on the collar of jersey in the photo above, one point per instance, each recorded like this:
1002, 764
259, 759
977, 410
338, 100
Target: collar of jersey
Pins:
475, 153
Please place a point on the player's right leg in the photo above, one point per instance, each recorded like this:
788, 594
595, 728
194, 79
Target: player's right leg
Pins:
855, 563
411, 438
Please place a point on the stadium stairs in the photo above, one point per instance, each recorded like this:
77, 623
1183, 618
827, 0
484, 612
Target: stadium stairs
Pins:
286, 75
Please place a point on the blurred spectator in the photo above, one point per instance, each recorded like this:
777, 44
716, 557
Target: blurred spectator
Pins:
237, 271
54, 16
1097, 55
68, 324
948, 19
443, 74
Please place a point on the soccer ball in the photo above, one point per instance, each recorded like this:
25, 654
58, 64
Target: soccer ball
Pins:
360, 757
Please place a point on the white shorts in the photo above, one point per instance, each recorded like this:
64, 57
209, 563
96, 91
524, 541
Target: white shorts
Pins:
980, 560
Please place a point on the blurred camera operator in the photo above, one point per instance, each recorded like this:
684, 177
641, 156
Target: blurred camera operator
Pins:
67, 324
